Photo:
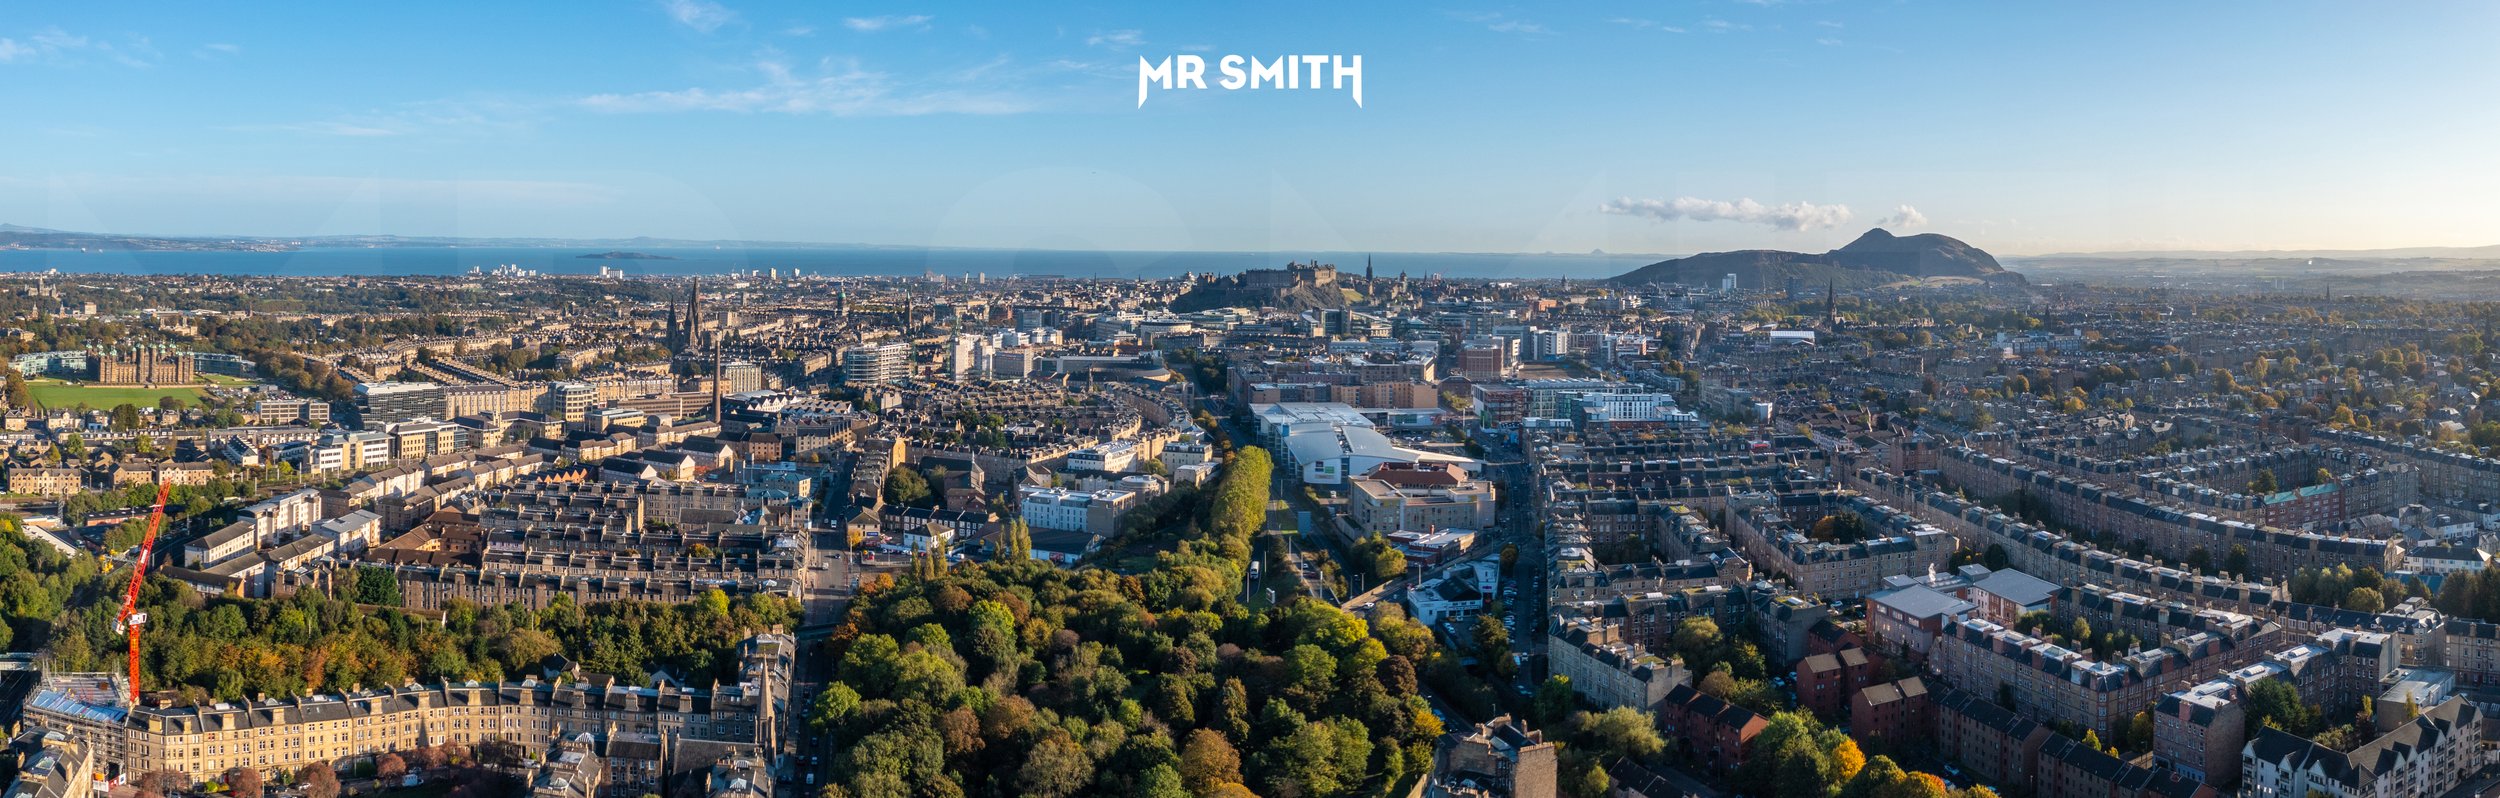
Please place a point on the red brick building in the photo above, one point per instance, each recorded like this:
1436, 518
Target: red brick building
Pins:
1718, 732
1825, 682
1993, 745
1892, 713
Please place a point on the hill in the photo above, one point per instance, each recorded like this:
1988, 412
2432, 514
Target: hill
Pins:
1876, 258
1297, 287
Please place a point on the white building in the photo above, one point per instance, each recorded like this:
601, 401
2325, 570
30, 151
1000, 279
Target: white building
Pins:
1097, 512
1329, 455
1281, 420
2426, 756
1114, 457
1602, 408
876, 363
1455, 594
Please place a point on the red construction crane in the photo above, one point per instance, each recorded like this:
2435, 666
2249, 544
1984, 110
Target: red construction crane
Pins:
131, 618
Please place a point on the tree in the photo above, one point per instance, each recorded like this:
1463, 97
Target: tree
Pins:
1381, 559
17, 394
2237, 560
1208, 762
1623, 732
1554, 698
162, 782
1491, 638
389, 767
1161, 781
1879, 779
832, 705
1696, 638
126, 416
1923, 785
2272, 702
2140, 731
2264, 483
244, 782
1586, 782
1718, 684
2363, 599
1510, 555
1016, 545
905, 486
1056, 767
320, 780
1847, 760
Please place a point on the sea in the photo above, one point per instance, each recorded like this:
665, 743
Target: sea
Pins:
837, 261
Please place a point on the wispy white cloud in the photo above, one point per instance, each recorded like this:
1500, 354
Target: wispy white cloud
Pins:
887, 22
834, 88
1828, 41
58, 47
1116, 39
330, 127
215, 50
799, 30
1723, 26
427, 118
1499, 22
1644, 24
702, 15
1789, 216
1829, 24
1094, 69
1904, 218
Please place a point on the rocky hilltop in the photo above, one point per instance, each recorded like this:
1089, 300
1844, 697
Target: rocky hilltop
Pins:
1876, 258
1297, 287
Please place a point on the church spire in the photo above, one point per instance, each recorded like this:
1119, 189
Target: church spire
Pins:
1831, 304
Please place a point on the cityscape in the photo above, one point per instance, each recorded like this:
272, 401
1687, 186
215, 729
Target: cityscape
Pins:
914, 419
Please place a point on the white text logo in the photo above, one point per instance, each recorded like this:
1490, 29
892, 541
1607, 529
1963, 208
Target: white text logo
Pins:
1332, 72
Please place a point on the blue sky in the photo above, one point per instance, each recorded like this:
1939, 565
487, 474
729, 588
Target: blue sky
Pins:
1656, 127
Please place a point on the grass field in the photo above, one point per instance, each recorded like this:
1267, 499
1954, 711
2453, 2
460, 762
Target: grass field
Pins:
58, 394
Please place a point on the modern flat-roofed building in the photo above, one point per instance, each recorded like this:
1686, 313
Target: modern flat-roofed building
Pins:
382, 403
1381, 506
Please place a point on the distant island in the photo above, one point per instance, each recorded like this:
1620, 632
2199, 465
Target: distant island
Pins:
613, 255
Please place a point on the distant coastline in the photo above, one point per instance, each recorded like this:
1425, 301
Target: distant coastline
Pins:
814, 261
616, 255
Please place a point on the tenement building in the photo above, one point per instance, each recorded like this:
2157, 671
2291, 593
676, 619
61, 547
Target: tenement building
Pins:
282, 734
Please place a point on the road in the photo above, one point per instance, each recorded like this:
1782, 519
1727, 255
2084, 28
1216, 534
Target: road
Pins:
1524, 603
833, 575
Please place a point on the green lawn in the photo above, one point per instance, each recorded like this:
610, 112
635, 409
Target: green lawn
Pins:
58, 394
